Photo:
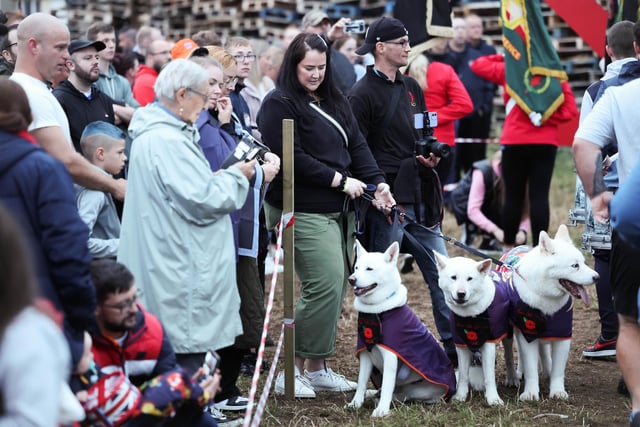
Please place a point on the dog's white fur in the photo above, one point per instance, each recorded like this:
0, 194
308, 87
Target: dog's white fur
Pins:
469, 291
538, 278
378, 273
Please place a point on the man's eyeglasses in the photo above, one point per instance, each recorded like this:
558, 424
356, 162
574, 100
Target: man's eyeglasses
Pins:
204, 97
240, 57
12, 44
124, 305
402, 43
230, 81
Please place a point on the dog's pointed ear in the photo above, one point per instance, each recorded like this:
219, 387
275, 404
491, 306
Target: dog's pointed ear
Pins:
392, 253
563, 234
360, 250
484, 266
546, 244
441, 261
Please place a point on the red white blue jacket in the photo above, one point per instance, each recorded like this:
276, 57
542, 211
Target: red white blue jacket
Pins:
145, 353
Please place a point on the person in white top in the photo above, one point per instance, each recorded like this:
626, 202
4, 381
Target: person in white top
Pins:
43, 42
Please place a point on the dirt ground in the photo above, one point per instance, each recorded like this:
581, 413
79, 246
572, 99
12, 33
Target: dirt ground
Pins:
591, 383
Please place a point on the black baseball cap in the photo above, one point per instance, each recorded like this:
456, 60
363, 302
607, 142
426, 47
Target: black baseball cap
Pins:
77, 45
381, 30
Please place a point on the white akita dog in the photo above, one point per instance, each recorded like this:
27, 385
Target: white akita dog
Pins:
409, 362
479, 320
543, 280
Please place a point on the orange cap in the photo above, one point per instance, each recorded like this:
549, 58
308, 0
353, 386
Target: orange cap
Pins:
183, 49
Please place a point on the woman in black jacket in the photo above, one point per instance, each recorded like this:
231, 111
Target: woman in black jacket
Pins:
332, 164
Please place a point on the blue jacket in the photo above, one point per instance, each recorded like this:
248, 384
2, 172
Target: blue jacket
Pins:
624, 209
217, 145
38, 191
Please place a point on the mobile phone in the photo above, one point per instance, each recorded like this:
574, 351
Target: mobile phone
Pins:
211, 362
355, 27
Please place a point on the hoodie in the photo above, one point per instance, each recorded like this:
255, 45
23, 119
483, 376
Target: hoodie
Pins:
82, 110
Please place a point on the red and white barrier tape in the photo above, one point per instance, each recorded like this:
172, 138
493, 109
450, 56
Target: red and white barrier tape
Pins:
265, 328
262, 403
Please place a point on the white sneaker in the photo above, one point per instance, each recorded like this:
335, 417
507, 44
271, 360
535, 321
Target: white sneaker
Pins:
303, 389
327, 380
269, 266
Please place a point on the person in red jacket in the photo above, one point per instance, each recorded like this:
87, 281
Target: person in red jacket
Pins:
444, 94
129, 338
158, 55
528, 153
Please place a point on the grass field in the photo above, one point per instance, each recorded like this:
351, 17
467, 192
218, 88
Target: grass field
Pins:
591, 385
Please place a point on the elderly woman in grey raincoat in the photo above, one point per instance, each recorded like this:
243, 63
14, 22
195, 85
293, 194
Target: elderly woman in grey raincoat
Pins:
176, 234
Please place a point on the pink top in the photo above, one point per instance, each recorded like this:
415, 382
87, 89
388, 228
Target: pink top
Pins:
476, 198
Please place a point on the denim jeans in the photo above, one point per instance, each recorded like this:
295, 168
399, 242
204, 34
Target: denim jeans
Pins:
379, 237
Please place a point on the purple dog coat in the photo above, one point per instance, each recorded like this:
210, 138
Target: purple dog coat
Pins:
490, 326
532, 322
400, 331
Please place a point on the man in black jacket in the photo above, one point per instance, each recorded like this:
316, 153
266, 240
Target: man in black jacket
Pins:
81, 101
385, 103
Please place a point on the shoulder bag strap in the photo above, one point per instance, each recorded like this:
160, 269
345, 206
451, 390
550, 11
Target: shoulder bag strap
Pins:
332, 121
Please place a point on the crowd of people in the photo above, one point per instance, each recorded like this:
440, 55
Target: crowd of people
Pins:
145, 234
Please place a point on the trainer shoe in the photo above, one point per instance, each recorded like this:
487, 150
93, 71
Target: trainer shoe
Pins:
222, 419
327, 380
406, 263
303, 389
235, 403
601, 348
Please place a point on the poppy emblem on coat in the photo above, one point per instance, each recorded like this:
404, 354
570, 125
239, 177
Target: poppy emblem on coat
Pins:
529, 324
368, 333
412, 99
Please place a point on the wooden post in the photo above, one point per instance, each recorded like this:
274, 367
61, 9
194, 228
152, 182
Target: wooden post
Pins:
289, 271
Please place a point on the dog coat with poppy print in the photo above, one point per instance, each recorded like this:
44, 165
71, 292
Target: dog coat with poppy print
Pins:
490, 326
400, 331
529, 320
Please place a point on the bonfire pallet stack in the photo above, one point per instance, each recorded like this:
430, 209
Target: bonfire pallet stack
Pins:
268, 19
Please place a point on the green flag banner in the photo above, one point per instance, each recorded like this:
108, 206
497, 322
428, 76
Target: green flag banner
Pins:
532, 66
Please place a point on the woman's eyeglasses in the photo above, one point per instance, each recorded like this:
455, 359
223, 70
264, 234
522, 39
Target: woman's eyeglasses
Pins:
230, 81
204, 97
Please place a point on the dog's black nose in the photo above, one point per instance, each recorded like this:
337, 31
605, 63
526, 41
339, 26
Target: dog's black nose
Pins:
352, 280
460, 295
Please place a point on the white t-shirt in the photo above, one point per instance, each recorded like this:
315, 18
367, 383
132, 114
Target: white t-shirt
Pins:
45, 108
615, 117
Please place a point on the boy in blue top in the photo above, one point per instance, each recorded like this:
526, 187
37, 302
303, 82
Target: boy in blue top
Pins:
103, 145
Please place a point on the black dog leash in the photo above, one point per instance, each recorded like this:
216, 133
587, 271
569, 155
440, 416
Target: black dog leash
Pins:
449, 239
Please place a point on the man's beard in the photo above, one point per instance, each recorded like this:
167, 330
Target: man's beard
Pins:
86, 77
119, 327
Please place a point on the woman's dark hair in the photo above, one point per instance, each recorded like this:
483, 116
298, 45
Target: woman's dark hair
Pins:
288, 81
110, 277
123, 62
15, 115
18, 284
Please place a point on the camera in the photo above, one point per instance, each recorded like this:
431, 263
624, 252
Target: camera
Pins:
355, 27
429, 143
